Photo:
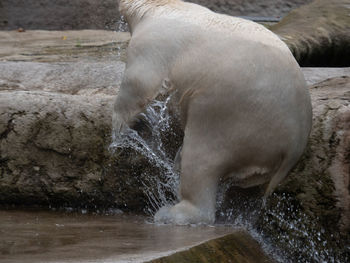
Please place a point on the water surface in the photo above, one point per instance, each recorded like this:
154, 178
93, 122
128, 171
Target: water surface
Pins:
35, 236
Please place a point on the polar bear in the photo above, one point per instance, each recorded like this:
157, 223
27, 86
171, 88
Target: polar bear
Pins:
243, 102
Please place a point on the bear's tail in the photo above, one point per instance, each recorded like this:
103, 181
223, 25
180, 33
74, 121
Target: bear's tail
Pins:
286, 165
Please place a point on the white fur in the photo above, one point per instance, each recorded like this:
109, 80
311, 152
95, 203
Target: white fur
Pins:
135, 10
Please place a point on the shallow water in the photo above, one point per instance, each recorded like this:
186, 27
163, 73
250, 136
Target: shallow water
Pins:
36, 236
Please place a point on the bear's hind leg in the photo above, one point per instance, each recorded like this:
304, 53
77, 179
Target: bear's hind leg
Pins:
198, 185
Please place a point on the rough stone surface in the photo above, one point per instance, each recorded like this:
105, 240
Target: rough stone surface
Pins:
92, 14
324, 174
318, 34
54, 151
55, 132
55, 108
63, 46
75, 78
53, 146
316, 75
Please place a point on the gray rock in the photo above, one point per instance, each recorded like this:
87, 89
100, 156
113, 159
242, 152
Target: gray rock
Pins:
53, 146
63, 46
54, 151
316, 75
329, 147
75, 78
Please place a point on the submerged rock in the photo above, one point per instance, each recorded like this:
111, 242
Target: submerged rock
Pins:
237, 247
318, 34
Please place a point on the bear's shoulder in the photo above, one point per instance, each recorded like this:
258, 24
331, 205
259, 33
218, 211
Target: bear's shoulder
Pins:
207, 20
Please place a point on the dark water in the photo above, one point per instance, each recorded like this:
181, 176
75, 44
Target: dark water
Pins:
35, 236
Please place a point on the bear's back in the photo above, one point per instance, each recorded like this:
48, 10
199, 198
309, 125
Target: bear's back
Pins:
203, 19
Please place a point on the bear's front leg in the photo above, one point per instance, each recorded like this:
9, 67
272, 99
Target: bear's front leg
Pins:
138, 88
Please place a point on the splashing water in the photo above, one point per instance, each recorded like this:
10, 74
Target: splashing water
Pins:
299, 237
122, 25
162, 190
282, 228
